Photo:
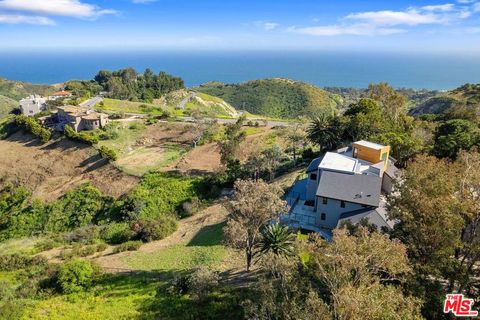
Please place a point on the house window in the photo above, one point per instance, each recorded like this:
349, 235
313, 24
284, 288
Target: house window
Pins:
323, 216
313, 176
384, 156
325, 200
355, 152
342, 204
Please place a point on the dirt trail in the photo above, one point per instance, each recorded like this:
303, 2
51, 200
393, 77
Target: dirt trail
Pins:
187, 229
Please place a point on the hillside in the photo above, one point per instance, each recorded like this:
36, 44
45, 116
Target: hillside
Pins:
6, 105
278, 98
180, 102
17, 90
52, 169
467, 95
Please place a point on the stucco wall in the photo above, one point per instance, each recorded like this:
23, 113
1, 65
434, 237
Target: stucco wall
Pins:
333, 211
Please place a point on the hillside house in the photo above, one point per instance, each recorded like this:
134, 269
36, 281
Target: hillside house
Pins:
60, 94
79, 118
33, 105
341, 186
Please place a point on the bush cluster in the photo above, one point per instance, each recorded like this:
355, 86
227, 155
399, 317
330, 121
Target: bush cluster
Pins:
34, 127
16, 261
77, 275
154, 229
128, 246
82, 136
108, 153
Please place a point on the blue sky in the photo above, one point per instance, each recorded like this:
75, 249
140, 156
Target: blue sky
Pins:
196, 25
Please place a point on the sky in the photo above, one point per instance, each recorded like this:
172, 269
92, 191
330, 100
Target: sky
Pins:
210, 25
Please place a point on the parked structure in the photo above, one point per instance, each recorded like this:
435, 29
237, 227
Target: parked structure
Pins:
341, 186
33, 105
60, 94
79, 118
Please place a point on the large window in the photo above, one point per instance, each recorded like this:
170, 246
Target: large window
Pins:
325, 200
323, 216
342, 204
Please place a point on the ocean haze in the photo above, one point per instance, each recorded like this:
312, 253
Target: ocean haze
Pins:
342, 69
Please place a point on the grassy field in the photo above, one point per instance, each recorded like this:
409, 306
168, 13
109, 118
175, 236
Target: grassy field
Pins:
205, 249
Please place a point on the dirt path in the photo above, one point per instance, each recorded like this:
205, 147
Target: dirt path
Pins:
187, 229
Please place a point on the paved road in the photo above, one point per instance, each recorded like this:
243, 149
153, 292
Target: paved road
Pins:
184, 102
90, 103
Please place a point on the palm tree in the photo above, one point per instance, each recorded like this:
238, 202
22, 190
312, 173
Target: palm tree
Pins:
325, 131
278, 240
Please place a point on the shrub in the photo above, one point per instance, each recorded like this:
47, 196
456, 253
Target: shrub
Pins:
47, 244
83, 136
16, 261
116, 233
76, 275
85, 251
34, 127
192, 207
101, 247
201, 283
152, 230
128, 246
88, 235
108, 153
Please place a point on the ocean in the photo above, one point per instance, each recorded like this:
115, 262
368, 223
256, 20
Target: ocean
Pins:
342, 69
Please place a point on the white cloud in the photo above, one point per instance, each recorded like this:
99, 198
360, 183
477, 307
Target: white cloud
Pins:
266, 25
68, 8
388, 22
440, 7
410, 17
143, 1
339, 30
20, 19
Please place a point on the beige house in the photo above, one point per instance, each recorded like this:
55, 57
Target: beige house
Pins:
80, 118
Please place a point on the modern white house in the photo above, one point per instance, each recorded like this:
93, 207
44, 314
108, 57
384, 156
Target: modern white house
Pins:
32, 105
341, 186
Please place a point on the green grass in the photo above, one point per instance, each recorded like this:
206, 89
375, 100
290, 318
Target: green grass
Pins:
205, 249
169, 155
118, 106
115, 297
19, 246
127, 136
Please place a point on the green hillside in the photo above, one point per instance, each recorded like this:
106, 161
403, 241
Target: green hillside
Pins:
279, 98
17, 90
6, 105
202, 103
467, 96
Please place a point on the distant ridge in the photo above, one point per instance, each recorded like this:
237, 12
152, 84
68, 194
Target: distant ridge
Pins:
276, 97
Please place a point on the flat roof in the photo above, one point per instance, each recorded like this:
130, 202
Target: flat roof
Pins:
337, 162
369, 144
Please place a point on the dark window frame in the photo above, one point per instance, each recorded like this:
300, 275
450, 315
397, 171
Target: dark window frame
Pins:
323, 216
325, 200
342, 204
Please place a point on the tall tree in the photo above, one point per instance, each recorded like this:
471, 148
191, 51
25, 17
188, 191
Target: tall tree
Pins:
254, 204
392, 102
326, 131
234, 136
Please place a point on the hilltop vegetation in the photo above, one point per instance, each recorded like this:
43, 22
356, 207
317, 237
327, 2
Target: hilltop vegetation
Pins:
127, 84
17, 90
465, 99
278, 98
6, 105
